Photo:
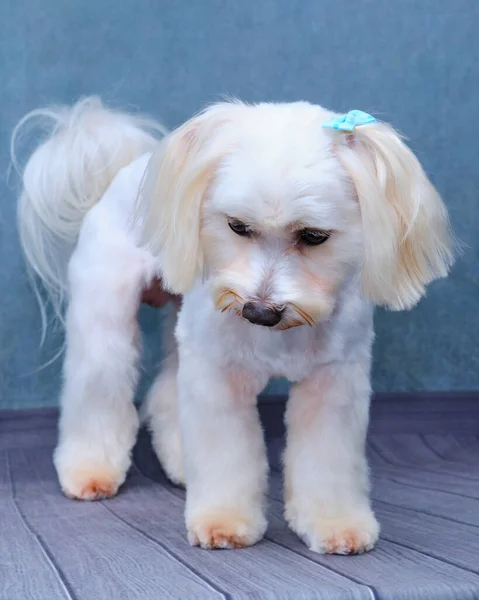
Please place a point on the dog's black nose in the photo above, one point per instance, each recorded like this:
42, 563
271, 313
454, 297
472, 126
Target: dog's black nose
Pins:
261, 314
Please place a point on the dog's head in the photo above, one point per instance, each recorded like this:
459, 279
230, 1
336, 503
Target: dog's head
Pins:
275, 213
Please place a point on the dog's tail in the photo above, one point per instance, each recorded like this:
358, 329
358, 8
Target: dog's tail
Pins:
83, 148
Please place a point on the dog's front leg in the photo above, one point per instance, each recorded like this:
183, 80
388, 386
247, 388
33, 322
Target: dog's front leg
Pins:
224, 454
326, 473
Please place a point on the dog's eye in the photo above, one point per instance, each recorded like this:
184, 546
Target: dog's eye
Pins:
313, 237
239, 228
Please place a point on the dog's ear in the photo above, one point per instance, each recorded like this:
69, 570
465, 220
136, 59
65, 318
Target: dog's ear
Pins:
177, 180
407, 239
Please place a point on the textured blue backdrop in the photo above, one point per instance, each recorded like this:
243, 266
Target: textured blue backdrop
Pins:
412, 62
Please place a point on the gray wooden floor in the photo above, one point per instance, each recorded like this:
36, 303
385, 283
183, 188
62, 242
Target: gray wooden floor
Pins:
424, 453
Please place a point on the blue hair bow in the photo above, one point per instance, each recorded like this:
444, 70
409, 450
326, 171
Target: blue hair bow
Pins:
349, 121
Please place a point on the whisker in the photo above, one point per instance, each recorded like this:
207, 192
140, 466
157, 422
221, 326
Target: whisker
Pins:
308, 319
228, 306
221, 298
290, 324
305, 315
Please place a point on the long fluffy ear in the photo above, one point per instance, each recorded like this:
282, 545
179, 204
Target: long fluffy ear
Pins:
177, 180
407, 239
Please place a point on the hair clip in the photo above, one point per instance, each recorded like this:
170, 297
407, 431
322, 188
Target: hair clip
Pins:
349, 121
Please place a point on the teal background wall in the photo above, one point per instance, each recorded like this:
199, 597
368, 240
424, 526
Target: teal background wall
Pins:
413, 62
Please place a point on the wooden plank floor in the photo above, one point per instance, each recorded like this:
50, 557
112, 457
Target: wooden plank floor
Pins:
424, 454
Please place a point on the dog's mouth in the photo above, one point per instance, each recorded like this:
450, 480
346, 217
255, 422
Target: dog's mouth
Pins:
228, 300
289, 315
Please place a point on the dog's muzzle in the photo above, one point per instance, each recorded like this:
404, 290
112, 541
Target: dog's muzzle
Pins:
262, 314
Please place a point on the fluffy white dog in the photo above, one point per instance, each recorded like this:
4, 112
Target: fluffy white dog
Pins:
281, 234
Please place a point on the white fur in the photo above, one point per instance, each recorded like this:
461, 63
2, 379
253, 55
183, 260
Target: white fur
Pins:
107, 273
75, 216
84, 147
276, 169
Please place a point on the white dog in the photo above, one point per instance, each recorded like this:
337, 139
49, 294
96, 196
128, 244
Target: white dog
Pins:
281, 234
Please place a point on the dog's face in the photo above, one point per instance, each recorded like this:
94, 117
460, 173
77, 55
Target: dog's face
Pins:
275, 213
281, 226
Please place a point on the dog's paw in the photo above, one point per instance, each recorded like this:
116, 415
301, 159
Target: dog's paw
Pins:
90, 482
225, 529
169, 452
160, 411
352, 533
88, 478
174, 472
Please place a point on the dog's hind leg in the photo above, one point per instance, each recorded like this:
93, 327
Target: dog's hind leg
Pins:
161, 407
99, 422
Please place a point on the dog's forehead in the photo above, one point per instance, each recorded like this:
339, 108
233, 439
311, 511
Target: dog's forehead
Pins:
282, 169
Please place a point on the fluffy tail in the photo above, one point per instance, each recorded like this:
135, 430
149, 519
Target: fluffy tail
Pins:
83, 148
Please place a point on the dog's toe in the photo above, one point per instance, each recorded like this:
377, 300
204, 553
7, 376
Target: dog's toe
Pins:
222, 529
346, 534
